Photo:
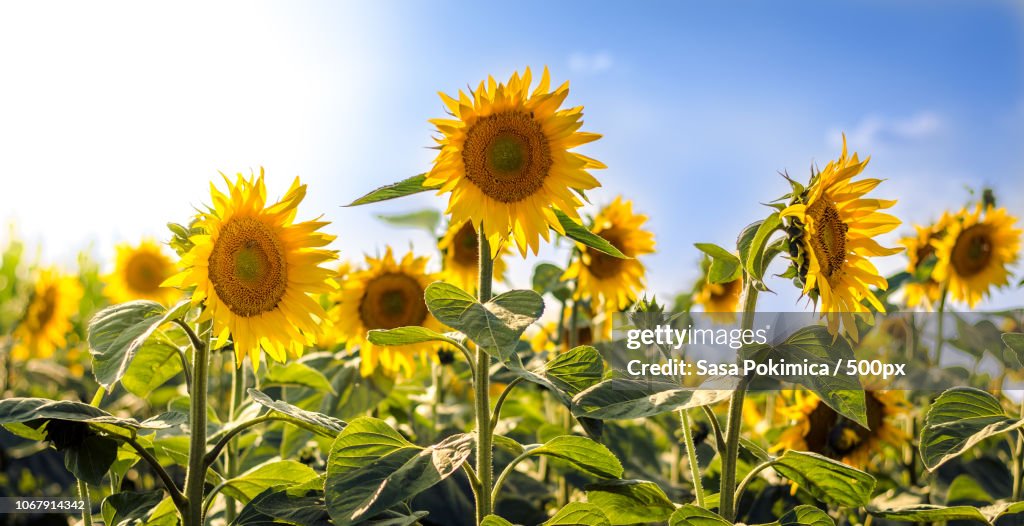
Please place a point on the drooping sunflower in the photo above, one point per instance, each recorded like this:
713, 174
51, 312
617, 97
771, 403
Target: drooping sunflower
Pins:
832, 228
461, 249
385, 295
921, 253
256, 270
613, 282
47, 321
976, 252
817, 428
504, 158
139, 273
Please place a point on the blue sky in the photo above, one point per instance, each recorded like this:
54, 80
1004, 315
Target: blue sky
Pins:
115, 116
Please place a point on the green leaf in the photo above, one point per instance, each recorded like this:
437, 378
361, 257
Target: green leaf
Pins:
624, 398
630, 501
426, 219
816, 345
509, 444
494, 520
275, 507
1015, 341
156, 362
580, 233
410, 186
805, 515
297, 373
573, 371
407, 335
690, 515
746, 238
547, 278
90, 460
754, 262
583, 453
371, 468
496, 325
328, 425
117, 332
19, 410
725, 266
965, 490
959, 419
123, 509
579, 514
825, 479
274, 473
898, 510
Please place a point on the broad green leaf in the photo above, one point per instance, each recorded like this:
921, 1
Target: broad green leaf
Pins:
816, 345
965, 490
1015, 341
123, 509
746, 238
582, 234
496, 325
579, 514
164, 514
297, 373
624, 398
547, 278
630, 501
90, 460
407, 335
805, 515
690, 515
754, 262
896, 511
509, 444
494, 520
959, 419
373, 469
583, 453
274, 473
117, 332
275, 507
19, 410
825, 479
725, 266
575, 370
328, 425
426, 219
410, 186
156, 362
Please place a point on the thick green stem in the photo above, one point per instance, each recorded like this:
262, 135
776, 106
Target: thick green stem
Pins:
481, 385
195, 475
727, 506
83, 495
939, 339
691, 454
231, 464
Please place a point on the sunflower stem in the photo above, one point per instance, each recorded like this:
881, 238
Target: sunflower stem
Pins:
481, 385
939, 339
231, 453
727, 505
691, 454
195, 475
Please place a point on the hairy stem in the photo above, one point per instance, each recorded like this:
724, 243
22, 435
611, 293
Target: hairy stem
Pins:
83, 495
734, 421
195, 475
691, 454
481, 385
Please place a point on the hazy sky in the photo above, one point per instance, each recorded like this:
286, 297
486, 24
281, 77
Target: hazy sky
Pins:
114, 116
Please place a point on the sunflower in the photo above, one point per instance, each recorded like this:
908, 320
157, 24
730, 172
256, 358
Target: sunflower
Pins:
720, 301
460, 246
504, 158
817, 428
920, 254
139, 274
256, 269
386, 295
613, 282
976, 252
831, 227
47, 319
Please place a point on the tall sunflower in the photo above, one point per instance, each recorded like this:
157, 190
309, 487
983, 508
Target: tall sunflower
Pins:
817, 428
47, 319
831, 226
461, 249
613, 282
385, 295
255, 269
504, 158
139, 273
920, 254
976, 252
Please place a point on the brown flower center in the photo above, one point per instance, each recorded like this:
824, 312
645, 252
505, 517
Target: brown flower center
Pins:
973, 250
465, 246
248, 267
507, 155
391, 300
144, 272
830, 239
603, 266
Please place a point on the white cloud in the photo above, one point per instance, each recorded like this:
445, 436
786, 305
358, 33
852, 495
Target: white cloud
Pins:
875, 130
590, 63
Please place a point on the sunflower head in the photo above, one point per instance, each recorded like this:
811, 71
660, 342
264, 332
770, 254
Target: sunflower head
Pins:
47, 321
139, 274
975, 255
924, 291
461, 248
831, 228
720, 301
613, 283
387, 294
817, 428
255, 269
505, 161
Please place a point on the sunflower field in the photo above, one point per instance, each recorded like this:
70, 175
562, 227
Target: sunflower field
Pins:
242, 370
